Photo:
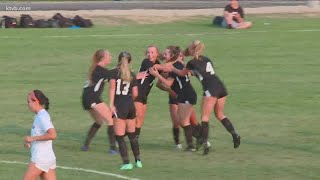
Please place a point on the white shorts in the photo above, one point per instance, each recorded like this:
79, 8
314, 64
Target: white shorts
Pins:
46, 165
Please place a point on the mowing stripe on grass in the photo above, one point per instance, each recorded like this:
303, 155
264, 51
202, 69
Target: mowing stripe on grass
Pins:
78, 169
185, 34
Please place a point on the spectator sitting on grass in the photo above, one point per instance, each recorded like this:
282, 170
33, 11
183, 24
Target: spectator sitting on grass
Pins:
233, 17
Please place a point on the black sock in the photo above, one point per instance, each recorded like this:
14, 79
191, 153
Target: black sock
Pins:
196, 131
176, 132
123, 149
138, 132
228, 125
188, 135
91, 133
112, 138
134, 145
205, 131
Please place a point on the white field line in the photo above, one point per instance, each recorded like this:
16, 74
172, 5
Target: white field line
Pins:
186, 34
78, 169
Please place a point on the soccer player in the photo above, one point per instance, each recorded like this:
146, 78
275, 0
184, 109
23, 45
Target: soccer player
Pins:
173, 108
123, 90
92, 102
187, 96
214, 91
43, 159
144, 85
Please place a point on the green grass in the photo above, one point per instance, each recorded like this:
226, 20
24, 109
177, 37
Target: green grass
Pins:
271, 72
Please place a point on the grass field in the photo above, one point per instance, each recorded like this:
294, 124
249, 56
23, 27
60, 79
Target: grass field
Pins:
271, 72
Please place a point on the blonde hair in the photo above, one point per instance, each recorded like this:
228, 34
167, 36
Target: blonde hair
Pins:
123, 63
195, 49
96, 58
157, 50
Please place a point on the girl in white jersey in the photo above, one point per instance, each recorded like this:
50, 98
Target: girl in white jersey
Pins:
43, 160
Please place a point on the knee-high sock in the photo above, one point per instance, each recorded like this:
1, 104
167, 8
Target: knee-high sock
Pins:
205, 131
112, 137
188, 134
176, 133
91, 133
123, 149
134, 145
138, 132
229, 127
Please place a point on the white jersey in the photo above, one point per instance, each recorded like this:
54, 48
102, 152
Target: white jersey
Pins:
41, 151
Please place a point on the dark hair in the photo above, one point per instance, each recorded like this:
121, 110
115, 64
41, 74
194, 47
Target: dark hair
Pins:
174, 51
43, 100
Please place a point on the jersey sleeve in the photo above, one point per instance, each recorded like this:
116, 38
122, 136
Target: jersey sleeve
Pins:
45, 123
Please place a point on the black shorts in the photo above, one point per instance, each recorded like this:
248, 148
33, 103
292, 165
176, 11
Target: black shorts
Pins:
217, 91
125, 109
142, 99
90, 100
190, 98
173, 100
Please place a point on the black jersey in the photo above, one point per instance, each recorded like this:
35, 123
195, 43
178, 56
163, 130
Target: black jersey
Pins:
92, 91
123, 96
202, 68
145, 84
182, 86
123, 88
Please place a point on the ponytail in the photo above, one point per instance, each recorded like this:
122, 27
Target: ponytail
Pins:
195, 49
43, 100
97, 57
123, 63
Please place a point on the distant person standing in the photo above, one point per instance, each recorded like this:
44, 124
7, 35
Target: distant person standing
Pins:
234, 16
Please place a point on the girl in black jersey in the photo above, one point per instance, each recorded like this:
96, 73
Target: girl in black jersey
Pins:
187, 96
123, 90
144, 85
214, 95
91, 98
173, 108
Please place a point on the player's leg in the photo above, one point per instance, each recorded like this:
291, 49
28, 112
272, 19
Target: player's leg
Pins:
184, 111
32, 172
219, 113
134, 141
141, 111
120, 129
208, 104
104, 111
98, 121
175, 124
50, 175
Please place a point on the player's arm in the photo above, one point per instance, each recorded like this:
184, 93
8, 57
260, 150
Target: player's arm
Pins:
112, 90
167, 82
134, 92
50, 135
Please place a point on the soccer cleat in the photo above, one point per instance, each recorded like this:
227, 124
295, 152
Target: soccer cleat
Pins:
112, 151
178, 146
206, 148
236, 141
191, 148
126, 167
84, 148
138, 164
